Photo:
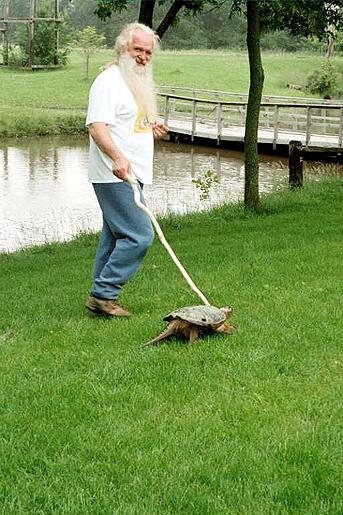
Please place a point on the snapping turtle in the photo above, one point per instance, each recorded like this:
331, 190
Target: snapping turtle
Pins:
193, 321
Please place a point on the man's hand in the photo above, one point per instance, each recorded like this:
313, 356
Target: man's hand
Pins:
121, 168
159, 130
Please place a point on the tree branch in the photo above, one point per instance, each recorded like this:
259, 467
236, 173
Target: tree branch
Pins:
170, 17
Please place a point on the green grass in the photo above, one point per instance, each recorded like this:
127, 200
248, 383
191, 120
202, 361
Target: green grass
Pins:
250, 423
55, 101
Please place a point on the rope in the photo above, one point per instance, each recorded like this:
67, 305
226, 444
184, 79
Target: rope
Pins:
136, 194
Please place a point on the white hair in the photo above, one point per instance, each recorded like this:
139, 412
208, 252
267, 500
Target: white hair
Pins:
125, 37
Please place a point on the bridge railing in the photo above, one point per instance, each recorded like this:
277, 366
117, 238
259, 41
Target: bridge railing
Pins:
228, 96
197, 114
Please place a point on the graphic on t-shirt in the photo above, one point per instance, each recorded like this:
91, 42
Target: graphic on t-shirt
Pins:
142, 123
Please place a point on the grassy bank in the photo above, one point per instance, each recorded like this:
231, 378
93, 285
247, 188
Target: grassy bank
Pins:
55, 101
91, 423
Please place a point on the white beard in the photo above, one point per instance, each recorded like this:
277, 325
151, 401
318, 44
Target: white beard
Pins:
141, 84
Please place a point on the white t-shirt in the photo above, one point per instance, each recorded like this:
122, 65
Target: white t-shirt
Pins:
111, 102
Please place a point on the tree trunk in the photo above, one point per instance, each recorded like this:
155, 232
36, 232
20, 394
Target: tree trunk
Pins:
146, 11
251, 186
330, 42
169, 17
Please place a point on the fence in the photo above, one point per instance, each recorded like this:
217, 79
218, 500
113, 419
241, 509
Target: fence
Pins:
280, 117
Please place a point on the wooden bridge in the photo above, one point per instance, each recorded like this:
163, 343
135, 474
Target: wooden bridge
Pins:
220, 116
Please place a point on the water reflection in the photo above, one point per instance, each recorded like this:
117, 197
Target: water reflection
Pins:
45, 194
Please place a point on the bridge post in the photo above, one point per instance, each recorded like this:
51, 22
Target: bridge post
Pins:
295, 164
219, 122
166, 110
194, 119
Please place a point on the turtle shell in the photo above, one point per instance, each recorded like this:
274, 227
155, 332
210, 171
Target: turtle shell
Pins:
205, 316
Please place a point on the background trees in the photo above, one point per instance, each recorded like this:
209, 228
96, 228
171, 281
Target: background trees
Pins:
210, 28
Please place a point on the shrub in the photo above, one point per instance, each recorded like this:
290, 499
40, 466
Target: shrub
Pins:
323, 80
44, 49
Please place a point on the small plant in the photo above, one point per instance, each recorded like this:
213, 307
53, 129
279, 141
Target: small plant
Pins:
89, 42
323, 80
205, 182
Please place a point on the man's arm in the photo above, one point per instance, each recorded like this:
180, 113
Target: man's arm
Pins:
121, 167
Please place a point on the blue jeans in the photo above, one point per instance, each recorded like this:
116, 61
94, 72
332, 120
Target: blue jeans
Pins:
126, 236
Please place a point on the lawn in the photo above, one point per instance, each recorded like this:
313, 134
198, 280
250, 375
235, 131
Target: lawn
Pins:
55, 101
249, 423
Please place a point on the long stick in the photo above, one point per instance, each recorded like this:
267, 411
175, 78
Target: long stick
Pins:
164, 242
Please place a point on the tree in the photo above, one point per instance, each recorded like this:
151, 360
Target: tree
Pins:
305, 17
147, 7
89, 42
251, 158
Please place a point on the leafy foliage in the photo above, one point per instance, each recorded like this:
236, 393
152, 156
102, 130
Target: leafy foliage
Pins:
88, 40
205, 182
324, 80
300, 17
105, 8
44, 51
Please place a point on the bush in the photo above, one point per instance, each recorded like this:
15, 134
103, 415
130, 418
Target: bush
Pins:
16, 56
44, 49
323, 80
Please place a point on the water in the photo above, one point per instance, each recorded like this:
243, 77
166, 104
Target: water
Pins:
45, 194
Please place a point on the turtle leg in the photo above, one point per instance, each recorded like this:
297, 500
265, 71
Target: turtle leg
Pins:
193, 334
189, 331
225, 328
172, 328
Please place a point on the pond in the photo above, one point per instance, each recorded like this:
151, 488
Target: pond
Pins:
45, 195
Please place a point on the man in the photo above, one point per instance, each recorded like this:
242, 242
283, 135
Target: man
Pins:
122, 125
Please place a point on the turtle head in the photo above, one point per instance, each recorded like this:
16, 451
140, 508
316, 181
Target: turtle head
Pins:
227, 310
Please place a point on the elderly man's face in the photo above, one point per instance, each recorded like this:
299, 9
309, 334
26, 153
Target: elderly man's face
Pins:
141, 48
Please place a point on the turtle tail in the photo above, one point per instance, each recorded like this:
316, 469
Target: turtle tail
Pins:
168, 331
